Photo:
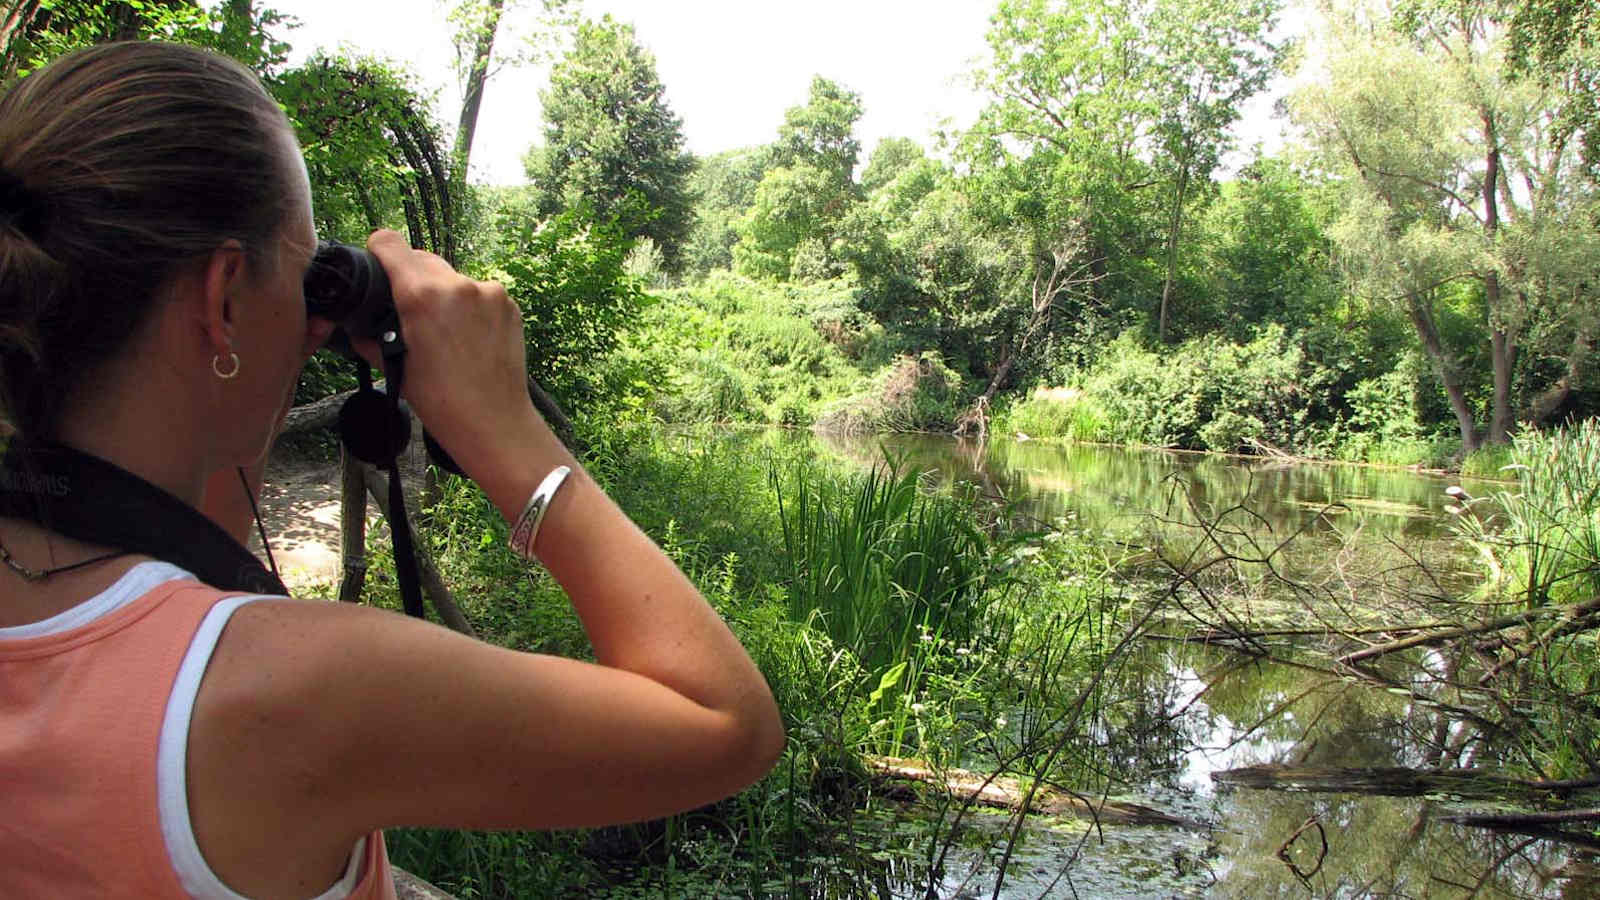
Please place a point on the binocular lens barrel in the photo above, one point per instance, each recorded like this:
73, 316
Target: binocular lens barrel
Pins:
347, 285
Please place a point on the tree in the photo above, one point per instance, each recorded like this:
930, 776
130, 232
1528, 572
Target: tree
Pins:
1267, 256
821, 134
724, 187
807, 192
1211, 55
32, 32
568, 276
891, 157
478, 27
1068, 127
1455, 172
374, 152
1131, 98
1559, 41
612, 142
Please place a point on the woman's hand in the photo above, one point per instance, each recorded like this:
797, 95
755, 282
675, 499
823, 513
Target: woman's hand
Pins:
466, 362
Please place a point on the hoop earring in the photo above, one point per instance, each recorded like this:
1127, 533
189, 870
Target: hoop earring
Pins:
216, 366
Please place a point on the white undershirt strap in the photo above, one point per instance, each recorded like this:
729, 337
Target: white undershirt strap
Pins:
134, 583
172, 778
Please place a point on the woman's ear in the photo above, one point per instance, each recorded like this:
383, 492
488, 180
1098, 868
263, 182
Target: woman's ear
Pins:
222, 279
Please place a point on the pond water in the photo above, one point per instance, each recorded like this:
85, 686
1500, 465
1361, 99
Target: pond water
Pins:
1197, 710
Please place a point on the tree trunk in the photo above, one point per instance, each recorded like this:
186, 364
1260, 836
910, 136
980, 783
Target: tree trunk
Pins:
1503, 347
1503, 353
1172, 252
15, 28
1433, 344
1013, 793
352, 527
472, 98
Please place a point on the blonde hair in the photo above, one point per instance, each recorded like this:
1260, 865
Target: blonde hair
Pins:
131, 160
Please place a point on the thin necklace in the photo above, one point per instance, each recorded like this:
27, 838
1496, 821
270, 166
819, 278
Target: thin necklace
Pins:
40, 575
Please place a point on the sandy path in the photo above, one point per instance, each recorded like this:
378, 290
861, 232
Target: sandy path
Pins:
300, 508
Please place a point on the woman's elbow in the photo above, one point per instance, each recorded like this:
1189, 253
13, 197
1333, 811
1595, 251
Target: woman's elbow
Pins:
755, 744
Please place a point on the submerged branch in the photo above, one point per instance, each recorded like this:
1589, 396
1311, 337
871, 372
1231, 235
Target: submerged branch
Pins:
1400, 782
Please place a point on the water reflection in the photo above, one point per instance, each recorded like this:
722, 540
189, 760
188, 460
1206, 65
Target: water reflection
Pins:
1116, 487
1176, 713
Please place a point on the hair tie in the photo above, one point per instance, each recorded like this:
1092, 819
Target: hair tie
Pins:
20, 206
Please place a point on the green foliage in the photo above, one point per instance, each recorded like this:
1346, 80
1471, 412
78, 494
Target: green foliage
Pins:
793, 205
1559, 40
1209, 394
352, 117
39, 32
889, 159
724, 186
1063, 413
808, 189
1414, 108
1544, 534
1493, 461
1540, 544
611, 141
736, 350
1266, 255
568, 276
821, 134
880, 563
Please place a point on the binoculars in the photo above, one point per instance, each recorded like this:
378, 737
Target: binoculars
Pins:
347, 285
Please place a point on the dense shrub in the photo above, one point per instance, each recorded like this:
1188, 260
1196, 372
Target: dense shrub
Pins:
1209, 394
736, 350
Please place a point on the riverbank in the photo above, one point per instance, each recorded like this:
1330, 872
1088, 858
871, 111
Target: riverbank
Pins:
1029, 670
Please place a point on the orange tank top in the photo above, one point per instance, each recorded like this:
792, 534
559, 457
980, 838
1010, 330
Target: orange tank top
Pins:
94, 724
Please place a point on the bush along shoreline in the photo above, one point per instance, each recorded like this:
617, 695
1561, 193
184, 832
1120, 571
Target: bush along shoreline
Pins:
733, 350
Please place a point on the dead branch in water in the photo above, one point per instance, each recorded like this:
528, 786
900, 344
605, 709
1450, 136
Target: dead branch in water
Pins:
1571, 614
1393, 781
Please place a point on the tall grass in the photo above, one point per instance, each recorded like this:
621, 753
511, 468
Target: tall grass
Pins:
1541, 543
1544, 534
878, 563
1059, 413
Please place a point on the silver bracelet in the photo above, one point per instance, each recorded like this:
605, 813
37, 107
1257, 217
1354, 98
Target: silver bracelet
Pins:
526, 528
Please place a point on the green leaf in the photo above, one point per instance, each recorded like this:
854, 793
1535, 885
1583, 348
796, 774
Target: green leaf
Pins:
888, 682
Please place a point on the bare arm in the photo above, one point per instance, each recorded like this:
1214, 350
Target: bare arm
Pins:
355, 718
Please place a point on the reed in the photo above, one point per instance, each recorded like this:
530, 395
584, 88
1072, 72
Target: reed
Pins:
880, 564
1544, 534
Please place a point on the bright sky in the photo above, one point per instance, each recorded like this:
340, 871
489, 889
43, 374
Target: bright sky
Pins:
730, 67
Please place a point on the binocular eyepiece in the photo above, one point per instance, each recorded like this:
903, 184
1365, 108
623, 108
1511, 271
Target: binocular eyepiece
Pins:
347, 285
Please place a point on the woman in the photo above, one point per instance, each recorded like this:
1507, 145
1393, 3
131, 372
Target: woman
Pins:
159, 736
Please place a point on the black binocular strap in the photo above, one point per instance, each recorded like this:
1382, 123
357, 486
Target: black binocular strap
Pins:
89, 499
406, 571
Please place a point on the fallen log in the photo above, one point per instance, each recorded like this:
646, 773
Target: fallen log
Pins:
1003, 792
409, 887
1521, 819
1394, 781
322, 413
